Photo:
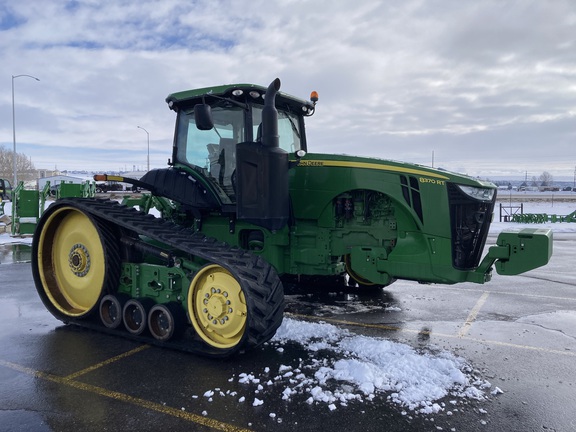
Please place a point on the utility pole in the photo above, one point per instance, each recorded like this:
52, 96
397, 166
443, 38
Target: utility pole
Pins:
14, 167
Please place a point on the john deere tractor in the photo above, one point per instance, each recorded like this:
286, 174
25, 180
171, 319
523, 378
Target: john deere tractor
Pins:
242, 207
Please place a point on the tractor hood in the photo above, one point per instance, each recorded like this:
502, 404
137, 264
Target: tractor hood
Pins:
389, 166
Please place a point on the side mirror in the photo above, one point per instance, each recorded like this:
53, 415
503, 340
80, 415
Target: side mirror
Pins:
203, 117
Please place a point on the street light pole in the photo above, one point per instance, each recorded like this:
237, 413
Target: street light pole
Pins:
14, 129
148, 139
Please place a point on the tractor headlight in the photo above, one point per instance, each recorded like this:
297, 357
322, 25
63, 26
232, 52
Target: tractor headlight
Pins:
482, 194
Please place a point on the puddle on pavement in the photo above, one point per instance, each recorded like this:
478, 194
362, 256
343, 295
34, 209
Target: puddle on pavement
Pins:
15, 253
325, 299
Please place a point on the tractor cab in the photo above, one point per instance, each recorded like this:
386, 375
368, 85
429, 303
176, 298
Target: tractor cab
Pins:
213, 152
234, 143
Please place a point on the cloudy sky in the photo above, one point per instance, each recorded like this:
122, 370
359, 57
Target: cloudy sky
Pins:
487, 87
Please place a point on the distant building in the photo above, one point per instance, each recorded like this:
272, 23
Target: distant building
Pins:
41, 173
56, 180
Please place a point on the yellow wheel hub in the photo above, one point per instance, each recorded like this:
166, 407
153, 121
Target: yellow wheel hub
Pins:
79, 260
217, 307
71, 261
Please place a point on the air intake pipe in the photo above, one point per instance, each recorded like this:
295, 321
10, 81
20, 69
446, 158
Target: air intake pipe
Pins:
270, 137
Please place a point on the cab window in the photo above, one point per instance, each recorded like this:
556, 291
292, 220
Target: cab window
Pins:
288, 129
212, 151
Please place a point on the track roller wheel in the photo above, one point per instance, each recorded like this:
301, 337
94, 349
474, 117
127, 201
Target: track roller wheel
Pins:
111, 307
217, 307
235, 309
357, 281
135, 315
166, 321
230, 311
75, 260
355, 276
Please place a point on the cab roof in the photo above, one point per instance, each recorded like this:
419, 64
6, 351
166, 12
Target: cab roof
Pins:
250, 91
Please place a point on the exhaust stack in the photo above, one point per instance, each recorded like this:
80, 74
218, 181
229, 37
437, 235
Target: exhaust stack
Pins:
270, 137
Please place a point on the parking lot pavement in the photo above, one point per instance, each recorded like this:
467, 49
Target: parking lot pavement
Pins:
518, 333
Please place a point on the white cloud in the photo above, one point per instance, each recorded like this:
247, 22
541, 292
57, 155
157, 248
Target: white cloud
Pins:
477, 83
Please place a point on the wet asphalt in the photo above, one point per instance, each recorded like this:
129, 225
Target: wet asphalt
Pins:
519, 333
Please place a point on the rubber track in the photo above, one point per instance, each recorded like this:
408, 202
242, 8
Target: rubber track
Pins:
258, 279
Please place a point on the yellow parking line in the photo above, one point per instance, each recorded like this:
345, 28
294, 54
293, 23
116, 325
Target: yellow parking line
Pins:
122, 397
525, 347
473, 314
511, 293
432, 333
106, 362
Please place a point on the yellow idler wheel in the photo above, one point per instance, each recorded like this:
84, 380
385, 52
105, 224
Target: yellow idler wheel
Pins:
355, 276
71, 261
217, 307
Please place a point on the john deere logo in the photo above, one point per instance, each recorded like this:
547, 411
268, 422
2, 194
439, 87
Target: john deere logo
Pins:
310, 163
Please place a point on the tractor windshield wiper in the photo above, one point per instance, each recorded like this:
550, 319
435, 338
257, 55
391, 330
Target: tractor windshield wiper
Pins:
294, 128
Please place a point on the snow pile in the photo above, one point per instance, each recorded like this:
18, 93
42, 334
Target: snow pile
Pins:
361, 367
343, 368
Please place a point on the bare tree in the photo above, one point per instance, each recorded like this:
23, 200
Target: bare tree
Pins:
546, 179
25, 167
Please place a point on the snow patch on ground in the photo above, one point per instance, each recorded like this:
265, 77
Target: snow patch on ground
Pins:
363, 368
342, 368
6, 239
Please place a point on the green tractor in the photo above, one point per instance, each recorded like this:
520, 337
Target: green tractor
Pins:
242, 208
